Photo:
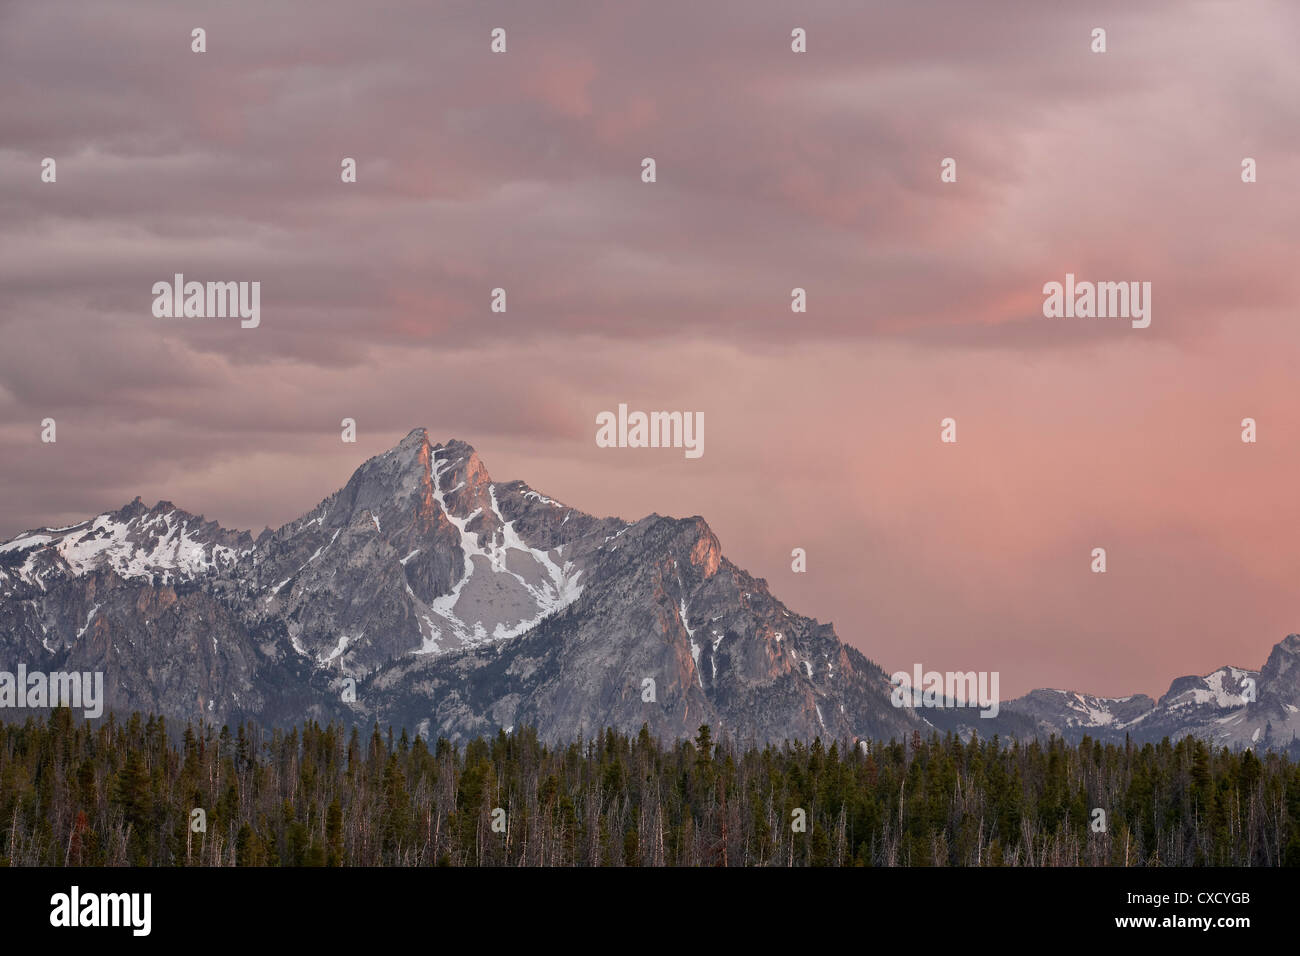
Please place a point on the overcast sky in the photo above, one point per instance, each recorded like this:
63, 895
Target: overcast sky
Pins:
775, 170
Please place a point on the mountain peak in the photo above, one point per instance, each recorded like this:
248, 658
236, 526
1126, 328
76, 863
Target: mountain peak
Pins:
420, 436
454, 446
136, 508
418, 448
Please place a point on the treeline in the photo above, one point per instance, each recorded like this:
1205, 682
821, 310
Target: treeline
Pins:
129, 794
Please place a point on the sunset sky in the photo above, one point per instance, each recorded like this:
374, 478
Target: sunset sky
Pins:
775, 170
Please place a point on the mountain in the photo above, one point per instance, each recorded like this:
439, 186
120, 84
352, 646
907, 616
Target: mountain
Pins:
1231, 706
443, 602
425, 595
135, 542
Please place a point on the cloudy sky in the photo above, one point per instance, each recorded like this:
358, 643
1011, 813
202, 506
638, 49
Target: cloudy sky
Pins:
775, 170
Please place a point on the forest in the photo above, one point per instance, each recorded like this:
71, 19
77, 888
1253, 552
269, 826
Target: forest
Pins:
137, 793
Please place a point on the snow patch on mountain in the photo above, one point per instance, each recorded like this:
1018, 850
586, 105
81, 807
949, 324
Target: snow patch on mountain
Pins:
507, 586
135, 543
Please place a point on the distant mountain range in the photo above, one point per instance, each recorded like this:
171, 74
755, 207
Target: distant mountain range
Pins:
424, 595
1217, 707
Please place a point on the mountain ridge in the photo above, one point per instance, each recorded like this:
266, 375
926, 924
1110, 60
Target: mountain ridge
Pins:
450, 603
419, 570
